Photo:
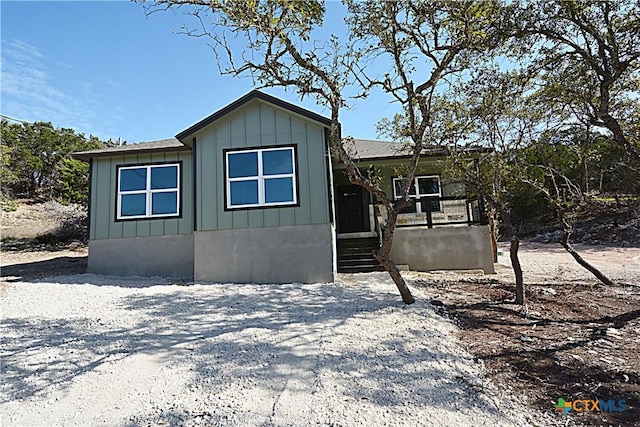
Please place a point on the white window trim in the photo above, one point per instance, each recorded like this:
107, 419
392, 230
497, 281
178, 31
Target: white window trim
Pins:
261, 178
415, 183
148, 192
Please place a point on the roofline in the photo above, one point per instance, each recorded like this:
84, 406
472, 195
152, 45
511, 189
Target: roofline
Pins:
88, 155
471, 151
254, 94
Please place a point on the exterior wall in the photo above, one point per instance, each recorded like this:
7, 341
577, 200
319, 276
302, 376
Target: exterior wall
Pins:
103, 224
446, 248
286, 254
258, 124
143, 256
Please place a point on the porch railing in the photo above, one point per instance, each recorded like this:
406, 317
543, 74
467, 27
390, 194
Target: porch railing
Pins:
437, 211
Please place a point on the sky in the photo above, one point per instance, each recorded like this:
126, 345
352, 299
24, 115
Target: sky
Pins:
107, 69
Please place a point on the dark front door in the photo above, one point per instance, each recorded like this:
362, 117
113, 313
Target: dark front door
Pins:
351, 218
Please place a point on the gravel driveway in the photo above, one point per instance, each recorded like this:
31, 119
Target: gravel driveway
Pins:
89, 350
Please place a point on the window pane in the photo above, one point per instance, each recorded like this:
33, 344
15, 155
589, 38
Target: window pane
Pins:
243, 164
133, 204
428, 185
164, 203
278, 190
244, 193
397, 187
164, 177
133, 179
276, 162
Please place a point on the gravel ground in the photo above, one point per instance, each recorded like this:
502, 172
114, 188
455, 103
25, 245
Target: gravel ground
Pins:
551, 263
89, 350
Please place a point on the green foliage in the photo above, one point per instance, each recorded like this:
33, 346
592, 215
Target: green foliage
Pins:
74, 180
585, 58
37, 163
7, 176
8, 205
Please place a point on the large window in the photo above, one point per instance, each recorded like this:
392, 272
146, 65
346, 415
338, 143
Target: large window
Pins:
148, 191
422, 186
260, 177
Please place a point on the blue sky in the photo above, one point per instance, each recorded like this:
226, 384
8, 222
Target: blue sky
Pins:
107, 69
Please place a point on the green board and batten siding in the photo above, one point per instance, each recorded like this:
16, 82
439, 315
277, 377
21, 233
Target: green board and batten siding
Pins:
103, 198
259, 124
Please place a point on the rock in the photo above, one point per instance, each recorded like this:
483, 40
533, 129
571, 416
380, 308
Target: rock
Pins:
613, 332
606, 343
525, 338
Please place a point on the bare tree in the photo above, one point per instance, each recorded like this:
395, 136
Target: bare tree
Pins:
428, 45
566, 198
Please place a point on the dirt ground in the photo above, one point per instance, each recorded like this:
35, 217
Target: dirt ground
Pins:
575, 339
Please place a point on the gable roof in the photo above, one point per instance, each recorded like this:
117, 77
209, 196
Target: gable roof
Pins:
163, 145
254, 94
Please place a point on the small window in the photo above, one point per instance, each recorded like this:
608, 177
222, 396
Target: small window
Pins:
426, 186
261, 178
148, 191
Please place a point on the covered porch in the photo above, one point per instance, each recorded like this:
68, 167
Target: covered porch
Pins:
442, 229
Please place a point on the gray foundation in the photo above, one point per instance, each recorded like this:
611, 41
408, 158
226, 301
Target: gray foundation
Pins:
286, 254
447, 248
170, 256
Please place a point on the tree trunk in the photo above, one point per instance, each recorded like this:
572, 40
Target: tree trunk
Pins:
565, 244
513, 250
382, 255
492, 234
393, 271
517, 270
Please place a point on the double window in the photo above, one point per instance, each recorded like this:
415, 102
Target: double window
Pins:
422, 186
148, 191
264, 177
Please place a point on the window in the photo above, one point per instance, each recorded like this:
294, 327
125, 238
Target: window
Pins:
426, 186
260, 178
148, 191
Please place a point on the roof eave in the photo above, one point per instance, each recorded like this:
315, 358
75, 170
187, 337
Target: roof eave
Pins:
471, 152
88, 155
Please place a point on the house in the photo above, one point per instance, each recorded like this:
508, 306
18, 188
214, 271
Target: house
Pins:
251, 194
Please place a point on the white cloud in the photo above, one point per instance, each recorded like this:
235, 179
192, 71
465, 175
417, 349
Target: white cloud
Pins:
29, 92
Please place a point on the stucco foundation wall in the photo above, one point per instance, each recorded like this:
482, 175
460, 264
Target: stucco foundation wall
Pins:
170, 256
286, 254
446, 248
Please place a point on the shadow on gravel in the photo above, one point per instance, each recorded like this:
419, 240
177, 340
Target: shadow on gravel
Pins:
51, 267
257, 337
36, 245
